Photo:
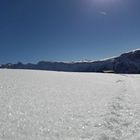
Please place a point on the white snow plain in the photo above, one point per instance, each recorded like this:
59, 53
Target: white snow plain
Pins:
43, 105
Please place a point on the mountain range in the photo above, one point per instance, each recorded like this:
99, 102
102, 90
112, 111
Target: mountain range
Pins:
126, 63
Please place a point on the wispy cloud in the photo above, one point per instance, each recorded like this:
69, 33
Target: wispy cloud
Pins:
103, 13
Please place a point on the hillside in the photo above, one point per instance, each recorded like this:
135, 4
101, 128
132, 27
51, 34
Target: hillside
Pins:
128, 63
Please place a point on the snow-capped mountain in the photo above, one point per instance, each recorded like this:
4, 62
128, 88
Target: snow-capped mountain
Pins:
125, 63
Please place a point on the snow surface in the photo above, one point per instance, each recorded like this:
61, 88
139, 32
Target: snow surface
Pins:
43, 105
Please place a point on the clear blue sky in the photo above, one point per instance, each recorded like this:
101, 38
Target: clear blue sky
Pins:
66, 30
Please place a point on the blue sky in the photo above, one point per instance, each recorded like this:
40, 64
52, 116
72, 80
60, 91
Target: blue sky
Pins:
67, 30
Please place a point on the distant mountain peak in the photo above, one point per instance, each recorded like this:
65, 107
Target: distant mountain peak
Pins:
126, 63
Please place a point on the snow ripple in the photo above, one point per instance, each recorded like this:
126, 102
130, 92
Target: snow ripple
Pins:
122, 120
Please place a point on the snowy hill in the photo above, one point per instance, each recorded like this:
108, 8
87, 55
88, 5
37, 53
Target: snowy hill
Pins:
125, 63
43, 105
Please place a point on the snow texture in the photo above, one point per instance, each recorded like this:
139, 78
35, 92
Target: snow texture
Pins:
43, 105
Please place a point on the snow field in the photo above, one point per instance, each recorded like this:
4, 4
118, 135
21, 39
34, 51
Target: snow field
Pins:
43, 105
